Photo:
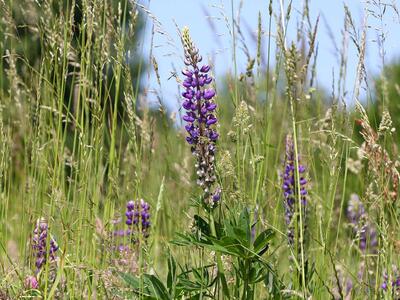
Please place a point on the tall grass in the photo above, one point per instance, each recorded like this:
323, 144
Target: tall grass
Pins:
78, 141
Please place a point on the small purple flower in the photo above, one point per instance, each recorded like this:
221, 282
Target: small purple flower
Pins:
200, 118
39, 244
355, 209
126, 242
138, 215
395, 283
358, 218
31, 282
291, 189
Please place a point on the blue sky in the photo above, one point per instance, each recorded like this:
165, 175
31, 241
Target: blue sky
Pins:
209, 21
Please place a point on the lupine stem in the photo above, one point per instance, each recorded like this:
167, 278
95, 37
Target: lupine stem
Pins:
220, 266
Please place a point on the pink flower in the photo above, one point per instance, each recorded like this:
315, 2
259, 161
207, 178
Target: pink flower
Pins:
31, 282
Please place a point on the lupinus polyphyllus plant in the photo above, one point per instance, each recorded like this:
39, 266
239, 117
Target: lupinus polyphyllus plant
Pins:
138, 215
363, 229
291, 189
394, 282
41, 250
200, 118
31, 282
137, 218
126, 242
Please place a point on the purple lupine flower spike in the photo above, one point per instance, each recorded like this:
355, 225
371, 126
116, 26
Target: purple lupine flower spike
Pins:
126, 242
290, 188
200, 118
31, 282
395, 283
138, 215
39, 245
358, 217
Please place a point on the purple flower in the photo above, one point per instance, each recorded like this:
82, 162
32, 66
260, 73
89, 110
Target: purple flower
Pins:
358, 218
126, 240
31, 282
39, 244
290, 187
200, 118
138, 215
395, 282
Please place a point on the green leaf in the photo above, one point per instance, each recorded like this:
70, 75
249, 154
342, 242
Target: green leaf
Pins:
201, 283
229, 229
202, 225
241, 235
135, 284
132, 281
262, 240
182, 240
244, 225
228, 245
158, 287
171, 277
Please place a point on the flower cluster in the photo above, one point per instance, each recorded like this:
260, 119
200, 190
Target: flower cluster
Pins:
290, 187
125, 243
40, 247
137, 218
395, 283
343, 286
362, 227
200, 118
138, 214
31, 282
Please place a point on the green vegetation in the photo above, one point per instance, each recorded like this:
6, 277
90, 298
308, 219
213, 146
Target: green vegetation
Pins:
78, 141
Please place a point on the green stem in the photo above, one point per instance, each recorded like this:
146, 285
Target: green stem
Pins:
301, 242
246, 280
220, 267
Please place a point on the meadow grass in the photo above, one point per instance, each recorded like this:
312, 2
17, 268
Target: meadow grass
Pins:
78, 141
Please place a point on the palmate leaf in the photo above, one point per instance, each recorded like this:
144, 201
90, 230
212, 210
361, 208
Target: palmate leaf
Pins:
150, 288
182, 239
158, 287
202, 225
235, 240
244, 230
240, 229
275, 285
190, 239
194, 282
258, 273
260, 244
134, 283
228, 245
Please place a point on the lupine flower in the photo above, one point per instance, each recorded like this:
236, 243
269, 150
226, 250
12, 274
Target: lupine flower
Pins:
290, 187
343, 284
362, 227
125, 242
200, 118
31, 282
39, 245
395, 283
138, 215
